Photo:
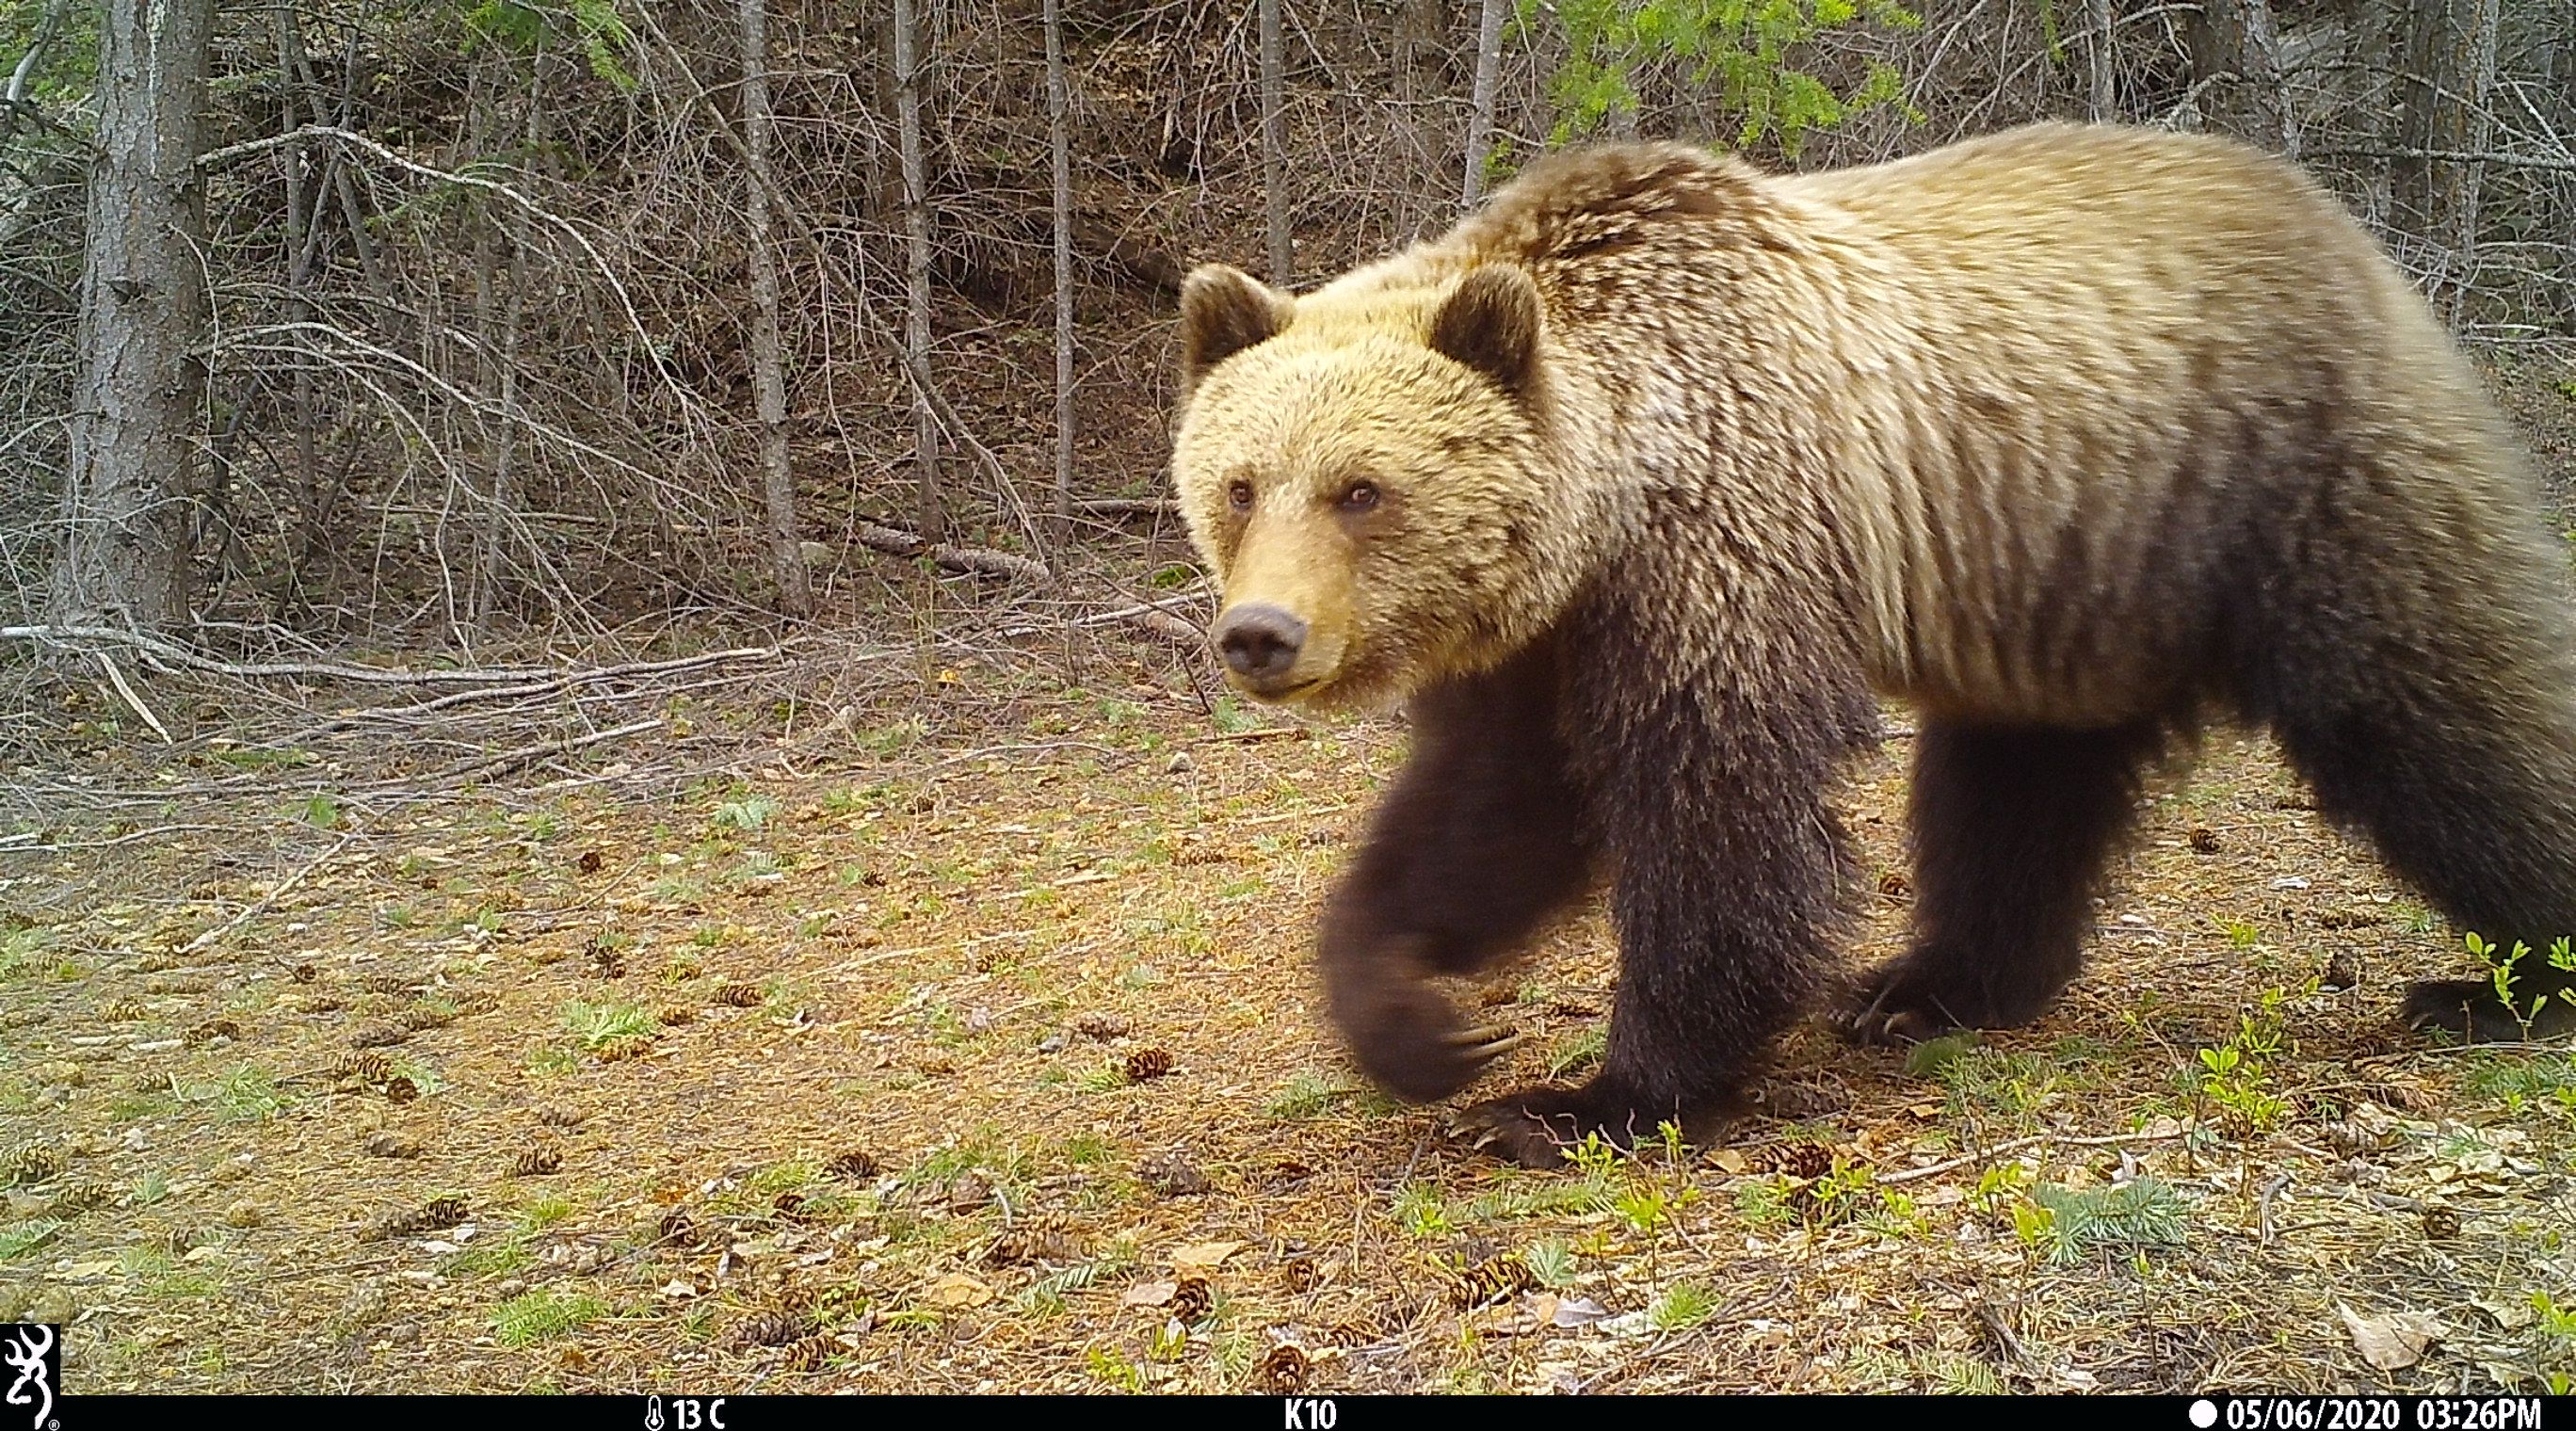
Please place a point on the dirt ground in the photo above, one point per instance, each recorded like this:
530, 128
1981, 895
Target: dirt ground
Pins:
981, 1057
966, 1044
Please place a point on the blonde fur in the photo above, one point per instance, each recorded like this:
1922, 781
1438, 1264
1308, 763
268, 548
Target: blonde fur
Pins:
1647, 476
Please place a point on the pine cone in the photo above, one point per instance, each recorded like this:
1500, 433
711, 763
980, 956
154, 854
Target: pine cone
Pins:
391, 1145
362, 1067
33, 1163
429, 1217
739, 995
1103, 1027
211, 1030
537, 1163
1172, 1175
1148, 1064
80, 1197
1043, 1240
382, 1034
1496, 1279
120, 1011
677, 1228
810, 1354
1192, 1300
855, 1166
775, 1328
1283, 1371
1302, 1274
1804, 1160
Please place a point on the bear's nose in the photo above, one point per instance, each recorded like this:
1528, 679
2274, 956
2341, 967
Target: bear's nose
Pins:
1260, 642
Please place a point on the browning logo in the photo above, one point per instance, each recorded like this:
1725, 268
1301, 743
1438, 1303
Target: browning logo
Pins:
31, 1356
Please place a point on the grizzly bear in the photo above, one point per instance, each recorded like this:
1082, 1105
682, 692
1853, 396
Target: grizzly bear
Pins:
1646, 482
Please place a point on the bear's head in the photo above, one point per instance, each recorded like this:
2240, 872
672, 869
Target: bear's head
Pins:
1364, 469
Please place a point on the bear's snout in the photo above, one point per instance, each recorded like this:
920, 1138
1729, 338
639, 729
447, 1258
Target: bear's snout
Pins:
1260, 643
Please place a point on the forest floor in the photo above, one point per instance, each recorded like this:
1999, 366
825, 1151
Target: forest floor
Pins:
981, 1057
966, 1043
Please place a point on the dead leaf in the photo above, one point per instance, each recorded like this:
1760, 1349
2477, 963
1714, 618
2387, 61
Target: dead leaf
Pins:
2393, 1342
957, 1291
1148, 1294
2512, 1316
1729, 1160
1205, 1256
1579, 1312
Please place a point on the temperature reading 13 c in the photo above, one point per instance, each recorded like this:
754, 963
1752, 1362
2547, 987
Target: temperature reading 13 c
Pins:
2368, 1413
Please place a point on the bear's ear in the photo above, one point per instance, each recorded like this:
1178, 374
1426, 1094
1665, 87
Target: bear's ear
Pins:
1224, 311
1491, 324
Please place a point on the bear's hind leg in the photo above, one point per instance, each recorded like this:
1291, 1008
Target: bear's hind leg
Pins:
2013, 829
2471, 799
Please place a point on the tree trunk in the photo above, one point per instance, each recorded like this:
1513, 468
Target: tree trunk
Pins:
2448, 74
933, 515
1421, 49
2236, 68
768, 362
1274, 149
2105, 100
1060, 155
1480, 117
311, 541
124, 553
2370, 51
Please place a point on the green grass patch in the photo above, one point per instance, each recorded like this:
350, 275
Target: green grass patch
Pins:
543, 1315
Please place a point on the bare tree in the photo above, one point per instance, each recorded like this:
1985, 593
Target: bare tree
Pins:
2445, 80
2236, 69
2370, 58
1421, 48
933, 515
1274, 148
2105, 96
1480, 119
1060, 159
768, 363
124, 551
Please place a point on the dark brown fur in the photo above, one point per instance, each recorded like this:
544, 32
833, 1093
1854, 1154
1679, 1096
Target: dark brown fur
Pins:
2075, 438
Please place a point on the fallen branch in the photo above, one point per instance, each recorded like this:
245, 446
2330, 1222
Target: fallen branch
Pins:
76, 637
1264, 732
2446, 156
134, 702
2017, 1144
1126, 507
510, 759
592, 676
261, 905
972, 561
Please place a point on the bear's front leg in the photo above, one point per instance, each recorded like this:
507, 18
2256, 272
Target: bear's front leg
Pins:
1475, 845
1732, 872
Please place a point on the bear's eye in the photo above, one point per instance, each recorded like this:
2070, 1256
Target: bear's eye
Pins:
1360, 498
1238, 495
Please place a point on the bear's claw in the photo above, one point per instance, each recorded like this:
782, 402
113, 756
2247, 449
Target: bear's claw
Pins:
1536, 1127
1487, 1043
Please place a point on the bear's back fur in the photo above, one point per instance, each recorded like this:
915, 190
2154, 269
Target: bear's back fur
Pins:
2027, 410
